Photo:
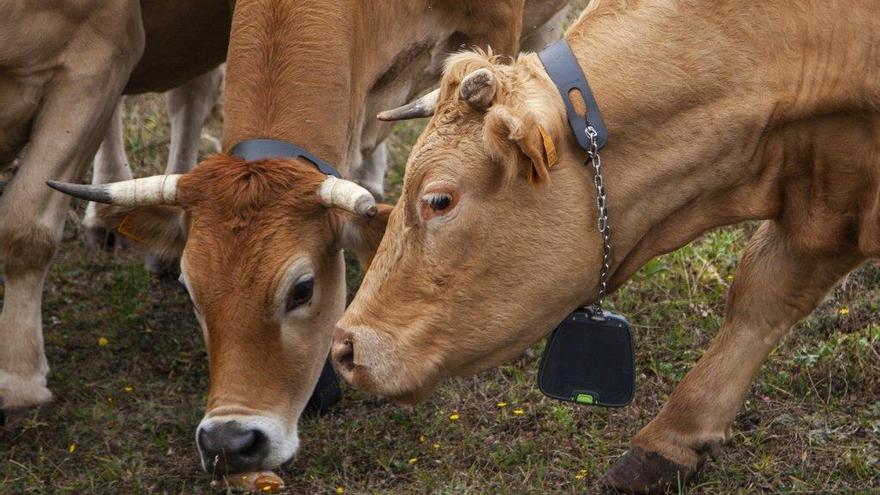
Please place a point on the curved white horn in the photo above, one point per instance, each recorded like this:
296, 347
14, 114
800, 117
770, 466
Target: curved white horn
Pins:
416, 109
345, 194
478, 89
155, 190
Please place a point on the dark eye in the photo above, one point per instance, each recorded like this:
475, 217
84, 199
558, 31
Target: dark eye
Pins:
300, 293
438, 201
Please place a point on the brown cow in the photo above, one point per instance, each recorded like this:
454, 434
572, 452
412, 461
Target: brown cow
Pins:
260, 246
717, 114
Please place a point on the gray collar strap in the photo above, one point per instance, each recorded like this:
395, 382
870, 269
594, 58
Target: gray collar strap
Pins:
566, 74
261, 149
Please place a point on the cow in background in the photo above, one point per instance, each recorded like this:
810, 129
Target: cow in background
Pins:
63, 66
188, 107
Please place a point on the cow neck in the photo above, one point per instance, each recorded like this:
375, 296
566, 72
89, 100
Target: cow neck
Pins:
686, 124
288, 77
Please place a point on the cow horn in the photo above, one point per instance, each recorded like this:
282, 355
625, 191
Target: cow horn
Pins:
478, 89
155, 190
345, 194
416, 109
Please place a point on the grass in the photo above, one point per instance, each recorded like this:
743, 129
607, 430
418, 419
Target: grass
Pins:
125, 412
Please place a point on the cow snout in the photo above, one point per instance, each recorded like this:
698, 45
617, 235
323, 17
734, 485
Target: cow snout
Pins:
231, 448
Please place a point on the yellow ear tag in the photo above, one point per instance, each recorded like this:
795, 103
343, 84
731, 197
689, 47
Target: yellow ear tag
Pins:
549, 148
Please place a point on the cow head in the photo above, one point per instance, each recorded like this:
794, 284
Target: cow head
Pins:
260, 257
469, 272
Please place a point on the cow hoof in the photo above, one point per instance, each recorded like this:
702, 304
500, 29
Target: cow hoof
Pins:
18, 393
642, 471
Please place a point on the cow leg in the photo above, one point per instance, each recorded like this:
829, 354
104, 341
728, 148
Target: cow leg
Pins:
775, 286
74, 114
110, 165
371, 172
188, 107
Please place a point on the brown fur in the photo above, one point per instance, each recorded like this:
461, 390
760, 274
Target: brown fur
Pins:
717, 114
311, 73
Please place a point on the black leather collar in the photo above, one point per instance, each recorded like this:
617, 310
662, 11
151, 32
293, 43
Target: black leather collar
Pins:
566, 73
260, 149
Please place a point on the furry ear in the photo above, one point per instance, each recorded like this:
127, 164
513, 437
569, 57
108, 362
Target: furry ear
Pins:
159, 229
520, 140
362, 235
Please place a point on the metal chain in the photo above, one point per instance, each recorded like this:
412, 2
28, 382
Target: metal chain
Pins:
604, 226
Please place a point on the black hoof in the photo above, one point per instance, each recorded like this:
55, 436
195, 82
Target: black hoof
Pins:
2, 418
642, 471
327, 392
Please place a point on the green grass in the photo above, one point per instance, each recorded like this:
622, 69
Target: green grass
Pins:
125, 413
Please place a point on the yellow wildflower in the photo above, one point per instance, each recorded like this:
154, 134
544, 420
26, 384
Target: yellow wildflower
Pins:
843, 311
413, 460
102, 341
518, 411
340, 490
454, 416
581, 474
436, 445
421, 438
501, 404
72, 447
730, 278
129, 388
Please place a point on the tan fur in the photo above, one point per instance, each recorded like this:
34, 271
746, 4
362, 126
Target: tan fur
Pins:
718, 113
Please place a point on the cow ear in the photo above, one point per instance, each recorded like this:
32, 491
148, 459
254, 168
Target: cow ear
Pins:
361, 234
522, 141
159, 229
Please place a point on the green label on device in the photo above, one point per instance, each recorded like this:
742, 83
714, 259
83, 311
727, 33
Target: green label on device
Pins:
584, 399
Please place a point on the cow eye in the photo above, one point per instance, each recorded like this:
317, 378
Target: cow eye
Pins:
300, 293
438, 201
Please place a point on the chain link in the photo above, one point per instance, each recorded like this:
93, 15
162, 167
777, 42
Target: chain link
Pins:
604, 227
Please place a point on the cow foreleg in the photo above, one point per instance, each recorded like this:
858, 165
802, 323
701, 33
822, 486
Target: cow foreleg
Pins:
189, 106
73, 118
110, 165
775, 286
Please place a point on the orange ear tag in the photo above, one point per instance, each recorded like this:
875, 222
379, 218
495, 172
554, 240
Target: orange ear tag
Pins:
549, 148
124, 228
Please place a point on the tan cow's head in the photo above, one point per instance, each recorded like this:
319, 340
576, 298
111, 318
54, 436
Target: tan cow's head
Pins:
487, 212
260, 245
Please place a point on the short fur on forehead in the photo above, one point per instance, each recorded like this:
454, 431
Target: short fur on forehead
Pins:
244, 188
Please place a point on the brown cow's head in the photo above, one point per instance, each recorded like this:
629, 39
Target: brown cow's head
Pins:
260, 257
469, 273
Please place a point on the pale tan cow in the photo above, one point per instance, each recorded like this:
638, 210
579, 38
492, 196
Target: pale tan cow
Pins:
260, 240
63, 66
188, 107
717, 113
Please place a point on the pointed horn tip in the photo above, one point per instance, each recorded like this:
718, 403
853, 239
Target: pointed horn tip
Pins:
81, 191
371, 211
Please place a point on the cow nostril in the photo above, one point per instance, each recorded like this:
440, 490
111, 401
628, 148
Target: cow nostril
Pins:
345, 355
230, 448
252, 444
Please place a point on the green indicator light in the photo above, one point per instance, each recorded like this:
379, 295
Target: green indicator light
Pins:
584, 399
